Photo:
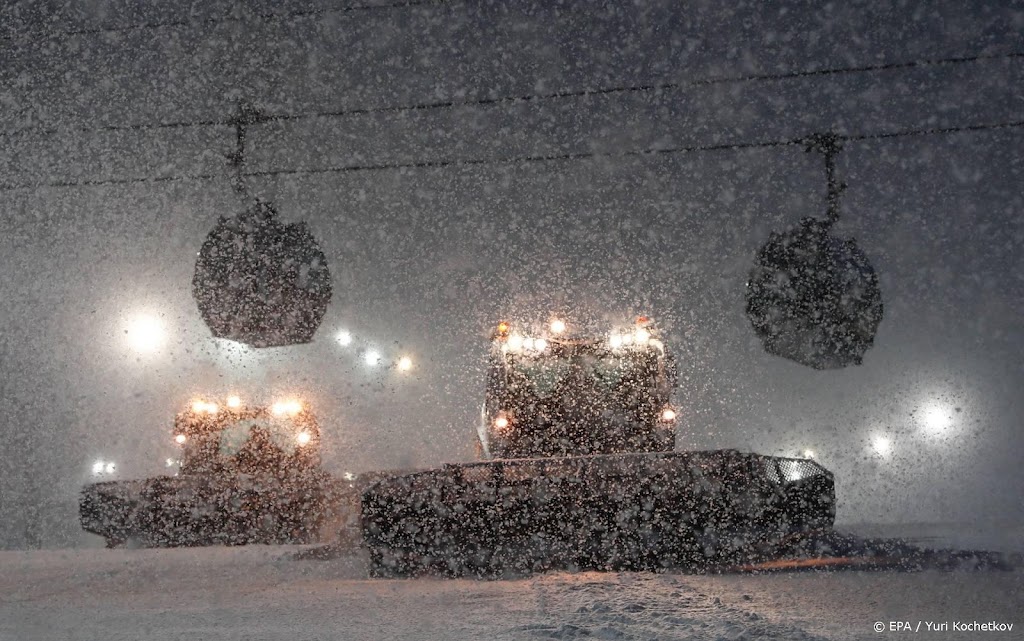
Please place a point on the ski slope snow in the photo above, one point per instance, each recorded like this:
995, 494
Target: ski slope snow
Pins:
265, 593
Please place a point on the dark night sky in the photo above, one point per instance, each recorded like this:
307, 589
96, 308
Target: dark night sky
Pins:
425, 260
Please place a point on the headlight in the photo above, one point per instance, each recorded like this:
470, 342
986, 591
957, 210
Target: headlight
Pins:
615, 341
97, 467
557, 326
540, 344
641, 336
515, 343
234, 401
501, 422
344, 338
180, 439
303, 438
371, 357
404, 364
668, 415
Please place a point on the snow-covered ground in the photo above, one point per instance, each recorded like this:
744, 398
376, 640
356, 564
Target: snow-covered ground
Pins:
264, 593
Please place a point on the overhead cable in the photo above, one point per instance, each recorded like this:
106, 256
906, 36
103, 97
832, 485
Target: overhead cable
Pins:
524, 159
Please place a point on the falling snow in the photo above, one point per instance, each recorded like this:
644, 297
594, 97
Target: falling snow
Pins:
548, 305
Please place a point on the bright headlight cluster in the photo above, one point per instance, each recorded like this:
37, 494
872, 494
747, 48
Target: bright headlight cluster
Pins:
202, 407
642, 336
639, 337
290, 407
518, 343
100, 468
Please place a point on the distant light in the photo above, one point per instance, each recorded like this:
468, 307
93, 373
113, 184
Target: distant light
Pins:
404, 364
344, 338
881, 445
180, 439
303, 438
937, 418
808, 453
234, 401
349, 476
371, 357
557, 326
145, 333
171, 462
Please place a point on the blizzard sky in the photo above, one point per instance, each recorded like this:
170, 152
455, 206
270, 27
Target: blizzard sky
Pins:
426, 260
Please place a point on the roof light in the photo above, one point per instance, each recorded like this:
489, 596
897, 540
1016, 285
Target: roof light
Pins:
200, 407
286, 408
503, 329
557, 326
